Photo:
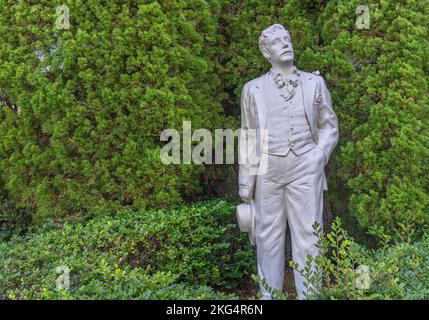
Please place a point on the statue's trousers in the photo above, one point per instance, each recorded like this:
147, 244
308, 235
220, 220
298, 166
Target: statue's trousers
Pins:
291, 191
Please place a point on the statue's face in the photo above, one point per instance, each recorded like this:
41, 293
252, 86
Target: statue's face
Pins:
279, 47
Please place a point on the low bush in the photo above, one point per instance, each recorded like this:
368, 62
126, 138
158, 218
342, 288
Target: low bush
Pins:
155, 254
14, 219
347, 270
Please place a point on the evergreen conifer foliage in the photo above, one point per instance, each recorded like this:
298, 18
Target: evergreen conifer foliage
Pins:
380, 81
94, 98
82, 109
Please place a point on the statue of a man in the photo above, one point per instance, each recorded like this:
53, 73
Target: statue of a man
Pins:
294, 108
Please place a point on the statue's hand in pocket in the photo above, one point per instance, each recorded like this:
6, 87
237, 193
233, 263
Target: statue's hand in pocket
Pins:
322, 155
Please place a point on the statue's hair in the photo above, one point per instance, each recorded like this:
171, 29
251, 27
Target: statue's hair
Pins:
270, 30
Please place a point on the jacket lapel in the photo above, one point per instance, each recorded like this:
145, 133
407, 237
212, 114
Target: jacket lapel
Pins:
262, 100
308, 89
262, 96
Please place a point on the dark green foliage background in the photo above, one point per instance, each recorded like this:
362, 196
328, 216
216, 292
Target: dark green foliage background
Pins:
87, 135
86, 138
154, 254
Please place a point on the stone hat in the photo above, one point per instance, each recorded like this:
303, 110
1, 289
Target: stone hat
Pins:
246, 220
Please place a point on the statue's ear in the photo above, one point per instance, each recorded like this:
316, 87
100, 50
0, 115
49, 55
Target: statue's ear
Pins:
266, 53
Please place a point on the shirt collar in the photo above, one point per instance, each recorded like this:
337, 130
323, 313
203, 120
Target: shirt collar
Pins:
280, 80
275, 73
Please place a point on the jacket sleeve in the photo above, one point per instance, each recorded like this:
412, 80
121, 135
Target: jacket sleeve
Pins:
327, 123
247, 144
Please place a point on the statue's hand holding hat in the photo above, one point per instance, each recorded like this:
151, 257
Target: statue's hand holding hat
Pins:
246, 220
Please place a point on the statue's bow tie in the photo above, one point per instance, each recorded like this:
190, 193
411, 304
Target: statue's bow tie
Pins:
282, 81
286, 85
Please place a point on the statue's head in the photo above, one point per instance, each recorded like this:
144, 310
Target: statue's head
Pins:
276, 45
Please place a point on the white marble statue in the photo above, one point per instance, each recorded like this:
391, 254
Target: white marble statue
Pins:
295, 108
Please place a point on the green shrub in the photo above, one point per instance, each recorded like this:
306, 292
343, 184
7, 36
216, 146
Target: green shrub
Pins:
134, 255
81, 128
187, 292
14, 219
396, 271
380, 86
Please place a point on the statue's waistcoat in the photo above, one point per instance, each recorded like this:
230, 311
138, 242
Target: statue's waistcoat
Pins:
287, 124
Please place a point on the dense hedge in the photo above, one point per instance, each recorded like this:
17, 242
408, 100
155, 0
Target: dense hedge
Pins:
87, 134
86, 137
380, 81
14, 218
133, 255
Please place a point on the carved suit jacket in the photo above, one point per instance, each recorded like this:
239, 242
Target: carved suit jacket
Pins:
255, 101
